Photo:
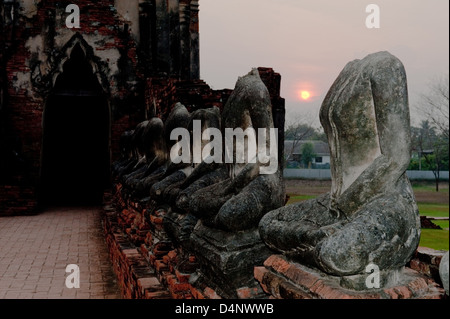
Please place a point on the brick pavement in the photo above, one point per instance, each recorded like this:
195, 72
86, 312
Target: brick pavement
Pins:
35, 251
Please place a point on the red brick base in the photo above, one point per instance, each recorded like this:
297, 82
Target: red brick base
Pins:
145, 261
282, 279
135, 278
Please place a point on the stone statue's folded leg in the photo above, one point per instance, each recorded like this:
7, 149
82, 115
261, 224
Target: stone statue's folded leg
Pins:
171, 193
184, 199
132, 179
158, 188
244, 210
142, 188
384, 232
206, 202
296, 228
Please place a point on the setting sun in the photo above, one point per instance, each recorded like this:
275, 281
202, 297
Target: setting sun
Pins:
305, 95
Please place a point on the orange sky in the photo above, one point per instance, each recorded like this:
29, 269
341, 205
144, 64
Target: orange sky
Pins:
310, 41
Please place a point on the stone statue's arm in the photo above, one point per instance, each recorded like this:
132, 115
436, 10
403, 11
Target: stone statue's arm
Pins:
390, 96
199, 171
152, 165
245, 176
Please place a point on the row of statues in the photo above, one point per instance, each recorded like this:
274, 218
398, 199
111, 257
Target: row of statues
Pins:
228, 196
369, 215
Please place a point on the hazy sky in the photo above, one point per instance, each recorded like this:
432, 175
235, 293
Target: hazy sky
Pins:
310, 41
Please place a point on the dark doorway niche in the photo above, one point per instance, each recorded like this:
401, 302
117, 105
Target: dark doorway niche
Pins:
76, 153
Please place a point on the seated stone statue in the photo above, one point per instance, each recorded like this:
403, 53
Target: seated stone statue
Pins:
239, 201
230, 200
152, 146
170, 187
126, 151
136, 151
370, 215
176, 188
179, 117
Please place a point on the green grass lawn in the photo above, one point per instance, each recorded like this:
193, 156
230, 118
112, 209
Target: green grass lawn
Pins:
299, 198
433, 210
442, 223
434, 238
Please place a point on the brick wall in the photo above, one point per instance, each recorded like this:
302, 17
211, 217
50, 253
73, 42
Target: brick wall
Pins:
33, 49
148, 264
158, 39
17, 200
162, 94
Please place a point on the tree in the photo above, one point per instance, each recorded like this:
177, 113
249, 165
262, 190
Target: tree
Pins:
422, 140
298, 130
426, 142
435, 105
308, 154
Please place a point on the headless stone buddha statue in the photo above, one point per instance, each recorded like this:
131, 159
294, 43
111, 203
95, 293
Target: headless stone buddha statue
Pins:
126, 151
370, 215
153, 148
231, 200
137, 152
170, 187
240, 200
163, 167
178, 223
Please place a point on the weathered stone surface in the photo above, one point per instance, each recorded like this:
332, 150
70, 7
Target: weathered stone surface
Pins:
213, 262
169, 188
162, 166
230, 202
179, 226
370, 215
443, 271
239, 201
227, 259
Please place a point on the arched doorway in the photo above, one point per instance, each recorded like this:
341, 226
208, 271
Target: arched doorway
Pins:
76, 152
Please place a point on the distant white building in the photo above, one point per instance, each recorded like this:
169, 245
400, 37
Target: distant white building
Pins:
293, 153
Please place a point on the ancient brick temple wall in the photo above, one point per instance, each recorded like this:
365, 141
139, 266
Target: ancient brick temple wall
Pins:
170, 38
125, 41
38, 44
162, 94
16, 195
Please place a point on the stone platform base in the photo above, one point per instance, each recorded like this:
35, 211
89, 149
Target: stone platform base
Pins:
283, 279
228, 259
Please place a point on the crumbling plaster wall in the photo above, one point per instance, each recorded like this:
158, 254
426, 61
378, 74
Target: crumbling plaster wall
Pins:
38, 43
47, 49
